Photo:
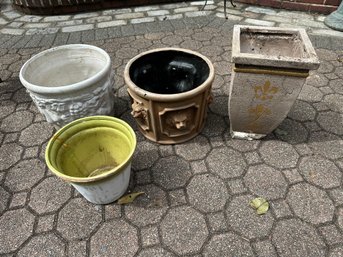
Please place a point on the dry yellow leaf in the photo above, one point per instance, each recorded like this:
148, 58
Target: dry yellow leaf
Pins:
129, 198
260, 204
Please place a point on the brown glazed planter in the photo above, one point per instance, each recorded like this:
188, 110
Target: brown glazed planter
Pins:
170, 89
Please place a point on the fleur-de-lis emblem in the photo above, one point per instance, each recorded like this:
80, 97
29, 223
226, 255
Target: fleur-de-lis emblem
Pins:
266, 91
259, 110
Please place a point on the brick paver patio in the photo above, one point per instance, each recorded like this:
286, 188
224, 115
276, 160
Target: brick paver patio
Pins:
197, 194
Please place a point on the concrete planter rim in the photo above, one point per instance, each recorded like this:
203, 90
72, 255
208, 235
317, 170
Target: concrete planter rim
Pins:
71, 87
168, 97
84, 180
310, 62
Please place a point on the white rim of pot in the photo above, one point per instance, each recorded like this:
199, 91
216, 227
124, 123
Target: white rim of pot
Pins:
168, 97
69, 88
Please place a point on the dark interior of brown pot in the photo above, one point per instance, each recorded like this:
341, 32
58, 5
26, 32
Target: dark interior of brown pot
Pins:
169, 72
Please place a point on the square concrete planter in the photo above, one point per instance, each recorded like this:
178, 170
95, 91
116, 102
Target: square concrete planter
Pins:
270, 68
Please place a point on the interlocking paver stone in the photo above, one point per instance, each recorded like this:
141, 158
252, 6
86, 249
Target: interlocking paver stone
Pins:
281, 209
325, 67
336, 85
17, 121
242, 145
337, 252
172, 40
265, 249
279, 154
326, 55
316, 80
292, 132
195, 149
327, 145
145, 155
143, 177
112, 212
337, 195
149, 236
11, 137
217, 222
265, 181
4, 197
310, 94
297, 239
222, 68
340, 218
150, 207
331, 122
77, 248
177, 197
214, 126
25, 174
334, 102
228, 245
45, 223
78, 219
15, 227
331, 234
226, 162
310, 203
220, 103
18, 200
303, 149
49, 195
35, 134
320, 171
6, 108
109, 240
339, 71
10, 154
252, 157
44, 245
321, 106
243, 219
207, 193
156, 252
184, 230
237, 186
171, 172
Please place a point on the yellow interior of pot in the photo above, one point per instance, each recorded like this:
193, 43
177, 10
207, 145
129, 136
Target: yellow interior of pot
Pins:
91, 148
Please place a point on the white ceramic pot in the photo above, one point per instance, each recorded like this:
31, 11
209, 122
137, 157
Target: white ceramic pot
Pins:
70, 82
94, 155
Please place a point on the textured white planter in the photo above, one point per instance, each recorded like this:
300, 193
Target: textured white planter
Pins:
270, 68
70, 82
94, 155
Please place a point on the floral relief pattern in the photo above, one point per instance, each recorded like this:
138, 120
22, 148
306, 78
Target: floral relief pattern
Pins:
64, 110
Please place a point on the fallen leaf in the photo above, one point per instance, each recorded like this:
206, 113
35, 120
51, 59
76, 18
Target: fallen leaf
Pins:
260, 204
129, 198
